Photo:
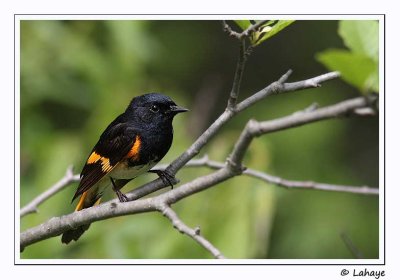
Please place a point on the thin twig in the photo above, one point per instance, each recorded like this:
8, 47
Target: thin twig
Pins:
238, 76
310, 184
310, 83
281, 86
352, 248
245, 33
206, 162
32, 207
229, 30
193, 233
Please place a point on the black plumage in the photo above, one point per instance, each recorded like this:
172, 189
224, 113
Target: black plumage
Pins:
131, 145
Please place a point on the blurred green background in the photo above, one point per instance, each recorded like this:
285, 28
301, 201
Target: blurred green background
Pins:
77, 76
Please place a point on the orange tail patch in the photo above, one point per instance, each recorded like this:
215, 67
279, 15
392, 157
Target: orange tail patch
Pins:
81, 204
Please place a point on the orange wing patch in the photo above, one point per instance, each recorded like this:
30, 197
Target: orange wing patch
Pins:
134, 152
94, 157
105, 162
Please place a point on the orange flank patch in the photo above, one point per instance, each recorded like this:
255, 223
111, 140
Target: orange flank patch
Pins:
134, 152
94, 157
79, 206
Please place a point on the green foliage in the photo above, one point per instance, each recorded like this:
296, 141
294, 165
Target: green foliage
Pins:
265, 31
361, 36
359, 66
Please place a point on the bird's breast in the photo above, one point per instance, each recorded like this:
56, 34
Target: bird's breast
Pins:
154, 147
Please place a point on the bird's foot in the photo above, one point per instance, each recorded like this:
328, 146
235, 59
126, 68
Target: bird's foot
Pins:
122, 197
167, 178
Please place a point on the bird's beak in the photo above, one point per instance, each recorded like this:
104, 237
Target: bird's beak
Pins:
177, 109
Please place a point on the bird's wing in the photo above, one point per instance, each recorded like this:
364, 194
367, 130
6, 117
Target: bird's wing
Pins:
117, 142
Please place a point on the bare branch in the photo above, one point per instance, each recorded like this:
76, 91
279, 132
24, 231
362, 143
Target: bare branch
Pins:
68, 178
206, 162
254, 128
310, 83
193, 233
310, 184
238, 76
229, 30
281, 86
245, 33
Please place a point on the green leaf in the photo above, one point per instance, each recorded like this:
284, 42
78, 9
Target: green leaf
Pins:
268, 30
243, 24
265, 31
357, 69
361, 36
360, 65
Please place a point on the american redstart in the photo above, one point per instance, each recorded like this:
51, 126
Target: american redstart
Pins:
130, 146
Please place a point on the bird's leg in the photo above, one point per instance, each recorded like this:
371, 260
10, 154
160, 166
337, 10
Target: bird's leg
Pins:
167, 178
122, 197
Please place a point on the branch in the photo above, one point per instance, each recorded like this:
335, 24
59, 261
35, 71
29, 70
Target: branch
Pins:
58, 225
193, 233
281, 86
310, 184
206, 162
238, 76
229, 30
245, 33
243, 53
32, 207
255, 129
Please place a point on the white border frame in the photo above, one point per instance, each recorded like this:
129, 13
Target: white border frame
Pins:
380, 261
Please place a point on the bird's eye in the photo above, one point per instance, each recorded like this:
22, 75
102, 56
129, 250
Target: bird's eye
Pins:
154, 108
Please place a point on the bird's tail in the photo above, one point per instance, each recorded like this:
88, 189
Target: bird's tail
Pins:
88, 199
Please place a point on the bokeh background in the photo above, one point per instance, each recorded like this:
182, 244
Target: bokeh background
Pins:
77, 76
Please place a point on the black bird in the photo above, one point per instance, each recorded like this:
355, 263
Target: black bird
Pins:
130, 146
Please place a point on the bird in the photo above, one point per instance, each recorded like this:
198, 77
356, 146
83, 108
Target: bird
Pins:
131, 145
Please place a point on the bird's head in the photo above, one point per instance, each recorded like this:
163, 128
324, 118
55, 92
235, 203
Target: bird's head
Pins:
154, 108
